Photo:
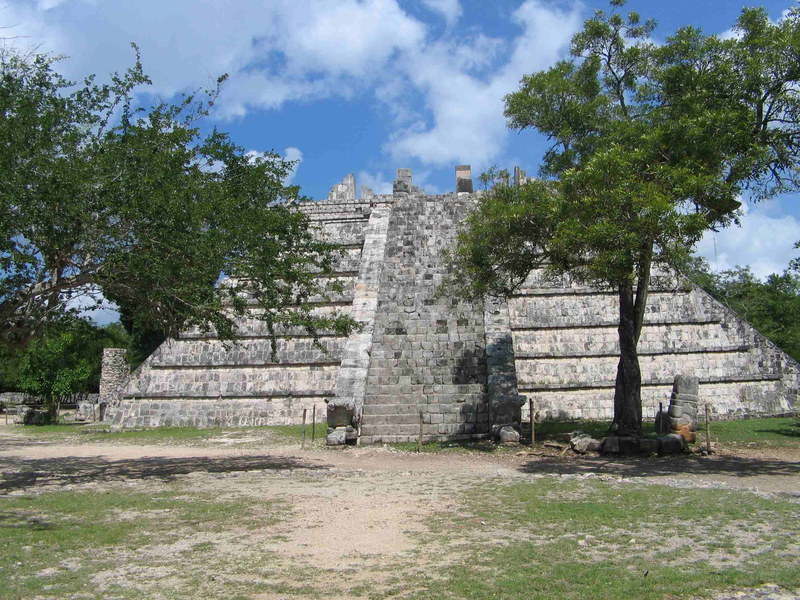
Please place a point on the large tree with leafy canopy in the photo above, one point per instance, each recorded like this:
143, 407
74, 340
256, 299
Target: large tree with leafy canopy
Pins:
652, 146
100, 196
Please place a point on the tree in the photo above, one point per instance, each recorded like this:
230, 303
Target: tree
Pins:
54, 369
102, 199
88, 341
652, 146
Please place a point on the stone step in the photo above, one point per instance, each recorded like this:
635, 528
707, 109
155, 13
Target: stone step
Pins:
432, 429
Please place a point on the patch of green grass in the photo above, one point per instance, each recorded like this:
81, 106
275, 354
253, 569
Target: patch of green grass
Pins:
763, 433
98, 433
295, 432
685, 542
44, 532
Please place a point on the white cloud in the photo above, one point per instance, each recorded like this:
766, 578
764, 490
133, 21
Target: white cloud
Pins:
468, 123
293, 154
281, 51
449, 9
375, 182
444, 94
764, 242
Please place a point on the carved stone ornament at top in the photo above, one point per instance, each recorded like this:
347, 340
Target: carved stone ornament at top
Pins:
342, 426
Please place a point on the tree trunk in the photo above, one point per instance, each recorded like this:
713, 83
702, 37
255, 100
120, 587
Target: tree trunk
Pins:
628, 389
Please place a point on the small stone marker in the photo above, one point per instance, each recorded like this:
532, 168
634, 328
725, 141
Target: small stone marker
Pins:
683, 407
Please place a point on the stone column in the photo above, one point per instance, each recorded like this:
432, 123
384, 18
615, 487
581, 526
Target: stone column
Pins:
504, 399
464, 179
520, 177
683, 406
115, 369
402, 185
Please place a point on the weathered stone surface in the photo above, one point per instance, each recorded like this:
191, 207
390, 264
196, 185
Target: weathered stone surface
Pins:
610, 445
341, 412
585, 444
568, 437
520, 177
672, 443
508, 434
648, 446
337, 437
686, 384
344, 191
114, 370
555, 341
629, 445
621, 445
683, 406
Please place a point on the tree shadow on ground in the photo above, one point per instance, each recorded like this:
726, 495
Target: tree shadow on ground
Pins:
785, 430
667, 466
22, 473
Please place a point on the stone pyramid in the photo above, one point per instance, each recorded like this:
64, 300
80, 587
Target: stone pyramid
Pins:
457, 363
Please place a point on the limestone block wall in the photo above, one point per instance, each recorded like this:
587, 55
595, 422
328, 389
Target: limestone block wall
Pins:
566, 352
556, 341
198, 381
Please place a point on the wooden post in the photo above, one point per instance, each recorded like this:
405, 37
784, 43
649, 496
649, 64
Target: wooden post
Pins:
314, 425
303, 446
419, 442
708, 432
533, 420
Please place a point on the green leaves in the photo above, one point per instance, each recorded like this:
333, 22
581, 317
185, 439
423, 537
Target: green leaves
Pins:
136, 203
53, 369
651, 146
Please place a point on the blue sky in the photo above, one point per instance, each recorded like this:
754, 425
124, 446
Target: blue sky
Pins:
374, 85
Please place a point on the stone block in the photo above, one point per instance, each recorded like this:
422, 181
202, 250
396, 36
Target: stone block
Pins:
568, 437
585, 444
610, 445
648, 445
508, 435
672, 443
628, 445
675, 411
341, 412
338, 437
686, 384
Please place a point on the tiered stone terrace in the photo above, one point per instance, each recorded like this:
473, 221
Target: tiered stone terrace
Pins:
447, 358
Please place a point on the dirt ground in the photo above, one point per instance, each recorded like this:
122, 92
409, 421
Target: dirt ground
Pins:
388, 492
758, 470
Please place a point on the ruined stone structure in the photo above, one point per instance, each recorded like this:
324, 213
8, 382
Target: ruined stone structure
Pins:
683, 407
466, 367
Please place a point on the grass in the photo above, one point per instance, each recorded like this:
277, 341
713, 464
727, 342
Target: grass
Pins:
503, 537
555, 539
54, 543
761, 433
170, 436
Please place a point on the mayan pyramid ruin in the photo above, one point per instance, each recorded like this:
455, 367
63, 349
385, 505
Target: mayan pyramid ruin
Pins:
453, 361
